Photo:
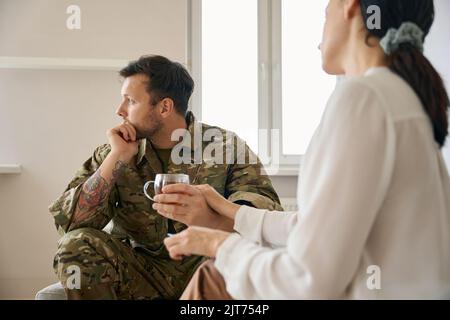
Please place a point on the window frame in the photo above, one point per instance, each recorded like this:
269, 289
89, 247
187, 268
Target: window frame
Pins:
269, 80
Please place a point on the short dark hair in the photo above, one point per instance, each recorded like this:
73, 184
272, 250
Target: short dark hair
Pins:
167, 79
409, 62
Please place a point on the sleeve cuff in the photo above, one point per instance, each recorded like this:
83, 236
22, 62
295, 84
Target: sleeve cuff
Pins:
223, 255
63, 208
257, 200
249, 222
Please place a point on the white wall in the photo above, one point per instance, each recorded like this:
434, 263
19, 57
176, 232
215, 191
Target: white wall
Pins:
109, 29
51, 120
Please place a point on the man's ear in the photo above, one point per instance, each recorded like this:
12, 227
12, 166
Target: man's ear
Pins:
351, 8
167, 107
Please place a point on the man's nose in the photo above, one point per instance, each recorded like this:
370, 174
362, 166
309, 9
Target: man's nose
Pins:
121, 111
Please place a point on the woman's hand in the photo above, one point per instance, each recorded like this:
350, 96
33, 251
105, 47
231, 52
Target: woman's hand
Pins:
187, 204
218, 203
195, 241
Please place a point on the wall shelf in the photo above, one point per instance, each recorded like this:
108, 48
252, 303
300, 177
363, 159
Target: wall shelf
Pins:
10, 169
47, 63
282, 170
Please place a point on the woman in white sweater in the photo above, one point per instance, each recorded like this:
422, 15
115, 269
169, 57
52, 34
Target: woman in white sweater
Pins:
374, 191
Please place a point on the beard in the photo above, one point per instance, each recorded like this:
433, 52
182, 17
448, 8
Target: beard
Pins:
149, 130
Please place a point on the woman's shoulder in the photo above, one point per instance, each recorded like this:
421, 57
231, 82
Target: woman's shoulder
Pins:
382, 88
374, 82
355, 96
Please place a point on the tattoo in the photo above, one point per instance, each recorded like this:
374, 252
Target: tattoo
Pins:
95, 190
118, 169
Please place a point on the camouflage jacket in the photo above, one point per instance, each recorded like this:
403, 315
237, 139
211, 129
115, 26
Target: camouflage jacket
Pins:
131, 212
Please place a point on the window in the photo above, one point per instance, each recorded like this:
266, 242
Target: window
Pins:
260, 69
230, 66
305, 87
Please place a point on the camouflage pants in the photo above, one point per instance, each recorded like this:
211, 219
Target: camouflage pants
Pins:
111, 269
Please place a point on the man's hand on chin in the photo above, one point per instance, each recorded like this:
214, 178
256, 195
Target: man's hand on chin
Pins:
122, 139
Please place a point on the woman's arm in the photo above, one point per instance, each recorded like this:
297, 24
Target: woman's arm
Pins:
269, 228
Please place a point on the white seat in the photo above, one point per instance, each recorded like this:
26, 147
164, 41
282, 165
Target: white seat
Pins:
52, 292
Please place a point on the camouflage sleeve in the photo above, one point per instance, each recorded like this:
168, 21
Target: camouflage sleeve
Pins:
63, 208
248, 182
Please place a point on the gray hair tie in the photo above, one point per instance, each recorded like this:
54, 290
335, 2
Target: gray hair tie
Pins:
408, 32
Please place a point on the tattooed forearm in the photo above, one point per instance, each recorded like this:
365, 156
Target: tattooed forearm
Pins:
95, 191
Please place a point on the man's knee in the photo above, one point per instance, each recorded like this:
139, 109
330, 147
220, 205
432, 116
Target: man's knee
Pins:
84, 251
87, 235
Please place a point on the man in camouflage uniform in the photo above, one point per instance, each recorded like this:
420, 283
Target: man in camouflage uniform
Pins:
127, 259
